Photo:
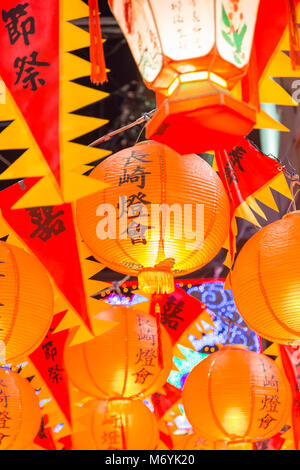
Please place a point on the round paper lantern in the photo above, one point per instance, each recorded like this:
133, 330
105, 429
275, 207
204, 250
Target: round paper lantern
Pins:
161, 215
26, 298
266, 281
192, 53
236, 395
125, 361
20, 414
119, 425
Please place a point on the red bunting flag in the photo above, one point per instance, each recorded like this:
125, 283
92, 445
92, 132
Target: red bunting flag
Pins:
44, 437
48, 360
291, 362
29, 62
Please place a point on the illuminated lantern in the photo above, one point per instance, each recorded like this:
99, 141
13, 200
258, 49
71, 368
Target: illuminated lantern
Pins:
162, 215
192, 53
20, 414
266, 280
26, 308
133, 358
119, 425
237, 395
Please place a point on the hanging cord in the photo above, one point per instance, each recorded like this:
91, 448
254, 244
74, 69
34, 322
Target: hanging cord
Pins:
144, 118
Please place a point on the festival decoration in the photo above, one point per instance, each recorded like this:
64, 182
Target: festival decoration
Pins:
237, 395
177, 311
265, 282
48, 360
20, 415
192, 54
50, 233
39, 69
26, 303
146, 226
256, 198
118, 425
134, 358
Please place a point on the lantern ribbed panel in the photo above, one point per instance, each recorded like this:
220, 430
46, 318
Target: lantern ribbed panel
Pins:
266, 281
173, 179
116, 364
26, 300
231, 396
19, 408
139, 430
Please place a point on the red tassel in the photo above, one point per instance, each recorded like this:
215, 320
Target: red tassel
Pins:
128, 15
98, 73
294, 34
158, 328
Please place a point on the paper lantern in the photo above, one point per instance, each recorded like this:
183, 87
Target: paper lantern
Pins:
162, 215
20, 414
26, 306
119, 425
195, 442
266, 281
192, 53
133, 358
237, 395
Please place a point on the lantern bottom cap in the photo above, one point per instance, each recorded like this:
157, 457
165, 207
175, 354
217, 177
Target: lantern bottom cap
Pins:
156, 281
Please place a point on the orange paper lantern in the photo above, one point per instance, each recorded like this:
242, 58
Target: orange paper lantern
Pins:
20, 414
118, 425
237, 395
161, 215
192, 54
266, 281
124, 361
26, 303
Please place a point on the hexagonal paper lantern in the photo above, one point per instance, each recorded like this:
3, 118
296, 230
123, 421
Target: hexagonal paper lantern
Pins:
192, 53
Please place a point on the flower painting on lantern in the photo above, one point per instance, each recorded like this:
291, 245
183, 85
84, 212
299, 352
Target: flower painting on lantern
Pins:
237, 20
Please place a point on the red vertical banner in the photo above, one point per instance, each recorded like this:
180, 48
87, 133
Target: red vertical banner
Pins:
49, 232
29, 63
44, 437
48, 360
290, 357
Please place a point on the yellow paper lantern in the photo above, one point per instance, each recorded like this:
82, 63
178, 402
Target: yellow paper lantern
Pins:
20, 414
162, 215
237, 395
26, 308
123, 361
266, 281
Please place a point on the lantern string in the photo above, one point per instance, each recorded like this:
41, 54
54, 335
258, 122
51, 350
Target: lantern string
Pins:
144, 118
